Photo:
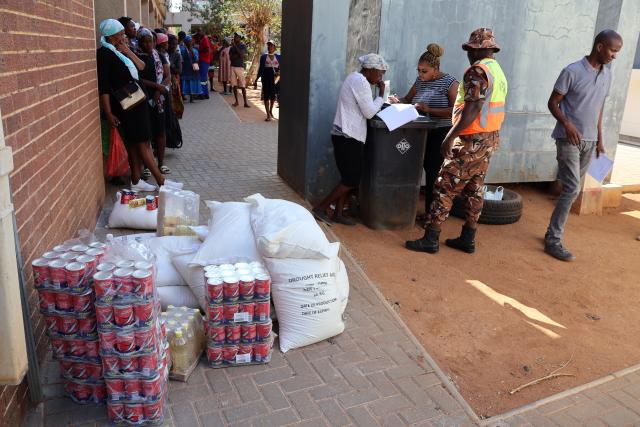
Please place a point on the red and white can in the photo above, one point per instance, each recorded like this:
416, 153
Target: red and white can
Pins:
214, 355
83, 392
233, 334
123, 314
145, 339
97, 245
134, 412
148, 363
40, 268
57, 273
262, 310
125, 264
95, 371
143, 265
262, 286
106, 266
90, 261
215, 313
248, 332
61, 248
104, 284
51, 255
47, 300
217, 333
241, 265
247, 307
247, 287
108, 340
76, 347
66, 368
125, 341
110, 364
230, 310
79, 371
51, 323
67, 325
115, 411
152, 388
142, 283
132, 389
96, 252
98, 393
245, 350
87, 325
82, 303
263, 330
215, 289
92, 348
104, 314
79, 248
115, 388
64, 301
128, 364
69, 256
75, 274
231, 288
143, 311
58, 347
123, 281
261, 351
229, 353
153, 411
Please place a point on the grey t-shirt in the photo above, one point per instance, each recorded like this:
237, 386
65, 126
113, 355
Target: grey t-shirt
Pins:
584, 89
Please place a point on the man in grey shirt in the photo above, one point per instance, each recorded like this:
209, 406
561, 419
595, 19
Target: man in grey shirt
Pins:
577, 102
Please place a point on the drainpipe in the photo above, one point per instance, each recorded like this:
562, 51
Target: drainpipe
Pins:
14, 311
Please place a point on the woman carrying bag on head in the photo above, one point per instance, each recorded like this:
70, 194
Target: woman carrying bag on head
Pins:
123, 102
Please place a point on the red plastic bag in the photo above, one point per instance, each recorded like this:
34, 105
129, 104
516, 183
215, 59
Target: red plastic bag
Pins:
118, 160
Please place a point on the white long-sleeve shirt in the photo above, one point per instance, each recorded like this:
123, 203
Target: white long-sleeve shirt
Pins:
355, 106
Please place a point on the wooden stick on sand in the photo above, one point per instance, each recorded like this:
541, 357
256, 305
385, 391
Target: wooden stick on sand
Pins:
554, 374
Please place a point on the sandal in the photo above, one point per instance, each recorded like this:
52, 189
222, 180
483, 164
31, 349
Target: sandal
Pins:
146, 174
322, 216
165, 170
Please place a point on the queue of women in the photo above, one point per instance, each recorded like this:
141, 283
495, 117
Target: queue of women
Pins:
144, 77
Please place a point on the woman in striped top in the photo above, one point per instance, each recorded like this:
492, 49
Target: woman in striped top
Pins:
433, 94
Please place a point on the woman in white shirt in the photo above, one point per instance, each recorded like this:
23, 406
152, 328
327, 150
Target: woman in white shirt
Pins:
349, 133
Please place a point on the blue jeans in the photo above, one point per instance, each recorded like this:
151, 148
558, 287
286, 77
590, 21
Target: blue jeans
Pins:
204, 78
573, 162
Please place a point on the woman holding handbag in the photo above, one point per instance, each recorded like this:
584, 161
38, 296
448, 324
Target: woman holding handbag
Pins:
123, 102
190, 69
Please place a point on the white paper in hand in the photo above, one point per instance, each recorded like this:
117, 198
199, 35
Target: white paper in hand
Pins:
600, 167
397, 115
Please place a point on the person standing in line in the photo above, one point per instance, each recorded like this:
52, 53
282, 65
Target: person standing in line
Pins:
237, 53
131, 32
434, 94
224, 75
190, 77
577, 102
478, 114
175, 67
268, 70
215, 55
349, 133
204, 61
118, 67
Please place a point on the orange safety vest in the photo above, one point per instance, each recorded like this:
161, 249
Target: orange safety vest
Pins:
492, 114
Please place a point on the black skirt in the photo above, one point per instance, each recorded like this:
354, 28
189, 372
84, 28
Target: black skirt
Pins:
135, 123
349, 154
268, 84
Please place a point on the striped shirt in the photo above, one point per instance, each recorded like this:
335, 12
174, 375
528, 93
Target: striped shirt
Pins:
435, 94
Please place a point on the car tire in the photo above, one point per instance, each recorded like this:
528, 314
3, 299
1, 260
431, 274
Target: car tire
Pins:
495, 212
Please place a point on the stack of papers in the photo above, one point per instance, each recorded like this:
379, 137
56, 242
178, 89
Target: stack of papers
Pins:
397, 115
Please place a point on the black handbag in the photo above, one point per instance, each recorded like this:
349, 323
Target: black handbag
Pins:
130, 95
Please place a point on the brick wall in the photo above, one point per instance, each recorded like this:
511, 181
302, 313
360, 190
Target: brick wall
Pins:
49, 105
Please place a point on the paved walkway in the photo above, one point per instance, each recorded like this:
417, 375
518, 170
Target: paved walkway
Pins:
372, 374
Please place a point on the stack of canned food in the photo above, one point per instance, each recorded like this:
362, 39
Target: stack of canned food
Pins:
238, 323
133, 344
62, 278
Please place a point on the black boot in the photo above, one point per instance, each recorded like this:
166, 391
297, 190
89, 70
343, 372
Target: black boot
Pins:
466, 242
429, 243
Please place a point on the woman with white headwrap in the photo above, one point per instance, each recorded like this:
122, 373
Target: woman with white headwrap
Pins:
349, 133
118, 66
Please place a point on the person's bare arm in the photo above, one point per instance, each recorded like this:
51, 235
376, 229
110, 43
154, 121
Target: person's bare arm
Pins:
572, 133
106, 108
600, 147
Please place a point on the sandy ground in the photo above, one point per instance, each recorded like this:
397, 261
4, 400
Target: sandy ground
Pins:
509, 313
257, 112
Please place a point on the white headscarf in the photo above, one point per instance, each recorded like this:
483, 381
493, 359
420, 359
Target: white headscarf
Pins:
373, 60
109, 27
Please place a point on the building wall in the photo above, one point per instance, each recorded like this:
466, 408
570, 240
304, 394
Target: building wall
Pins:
49, 104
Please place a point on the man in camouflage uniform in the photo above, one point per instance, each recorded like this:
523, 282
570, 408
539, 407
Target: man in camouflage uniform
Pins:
477, 116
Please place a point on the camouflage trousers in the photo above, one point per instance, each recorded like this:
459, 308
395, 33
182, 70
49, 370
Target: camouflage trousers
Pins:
463, 174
